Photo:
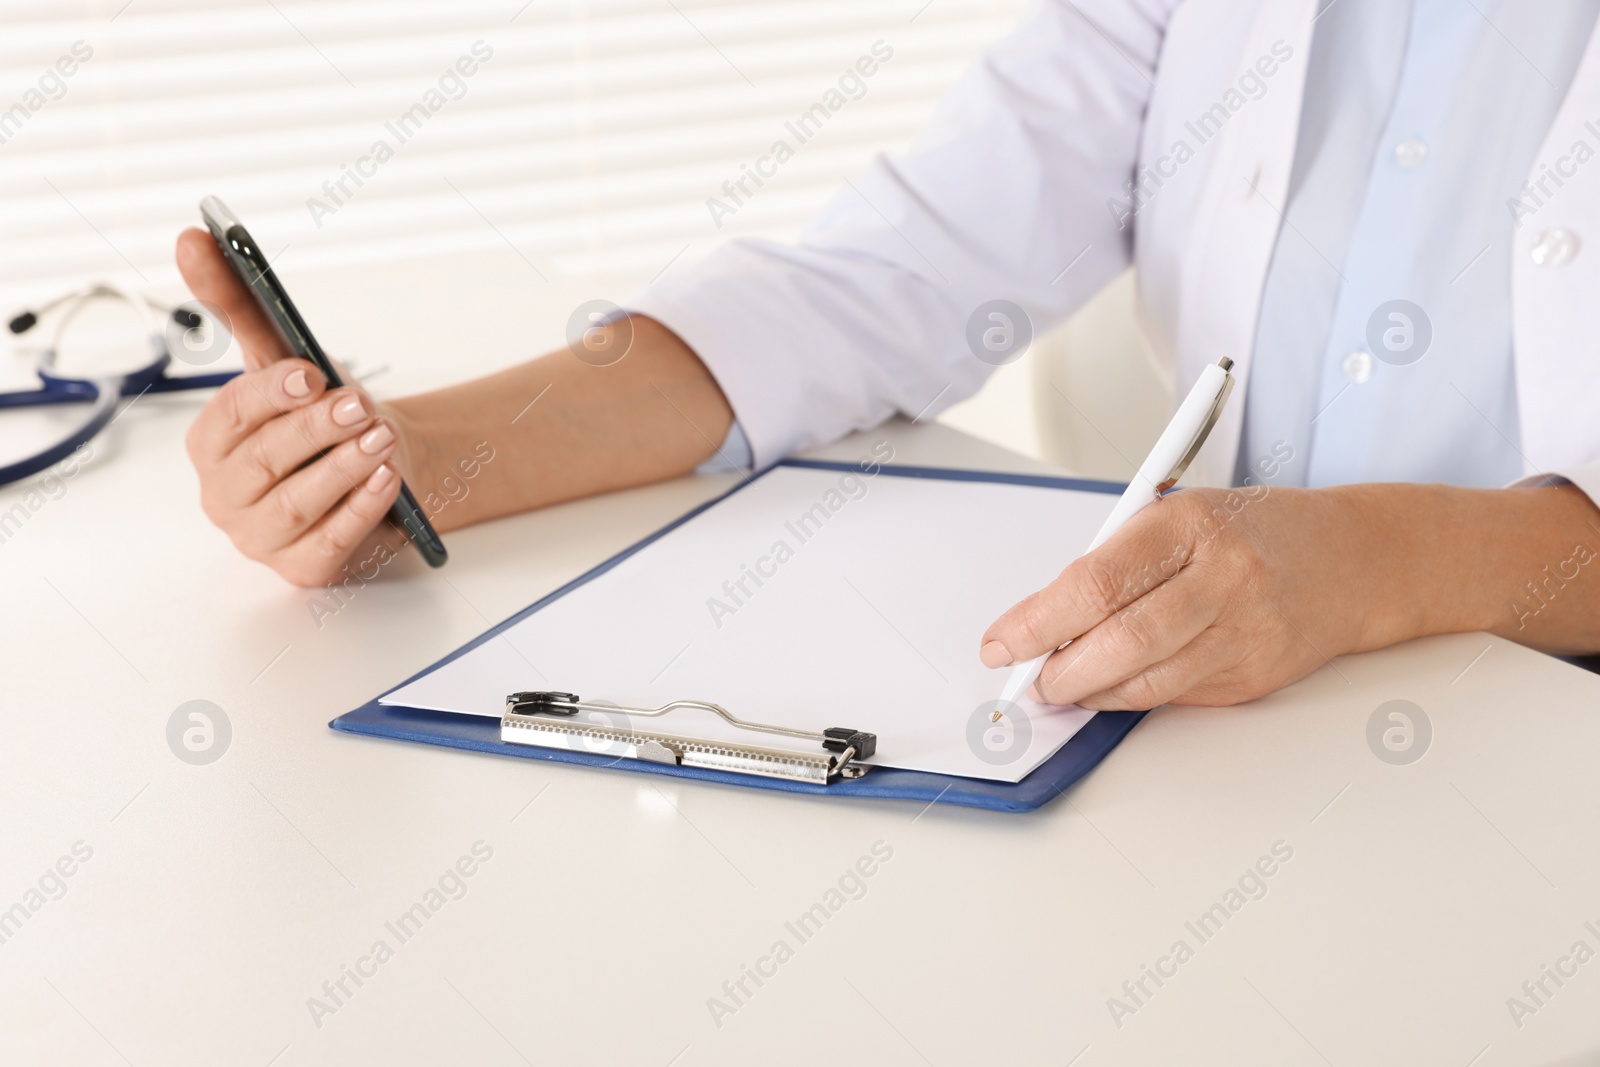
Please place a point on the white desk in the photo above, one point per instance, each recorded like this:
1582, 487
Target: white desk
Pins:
219, 898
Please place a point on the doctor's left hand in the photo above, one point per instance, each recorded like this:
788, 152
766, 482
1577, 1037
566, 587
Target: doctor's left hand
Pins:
1219, 596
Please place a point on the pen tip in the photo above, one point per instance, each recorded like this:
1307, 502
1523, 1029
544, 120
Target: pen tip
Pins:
996, 716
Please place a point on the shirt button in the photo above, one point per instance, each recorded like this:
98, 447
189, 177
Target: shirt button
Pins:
1357, 367
1411, 152
1555, 248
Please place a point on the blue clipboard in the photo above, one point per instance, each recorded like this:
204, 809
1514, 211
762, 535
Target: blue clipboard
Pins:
1082, 752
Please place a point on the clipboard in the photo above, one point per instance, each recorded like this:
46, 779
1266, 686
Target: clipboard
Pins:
1076, 758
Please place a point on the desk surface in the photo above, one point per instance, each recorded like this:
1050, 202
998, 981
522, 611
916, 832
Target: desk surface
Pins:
254, 910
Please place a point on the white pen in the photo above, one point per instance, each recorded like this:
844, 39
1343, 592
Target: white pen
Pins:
1162, 468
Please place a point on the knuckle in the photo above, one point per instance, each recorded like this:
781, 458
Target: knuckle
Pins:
257, 449
1140, 692
1202, 511
1098, 586
288, 512
1133, 631
297, 432
332, 543
1193, 503
1031, 621
1250, 565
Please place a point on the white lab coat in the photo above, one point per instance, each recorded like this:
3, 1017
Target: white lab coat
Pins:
1007, 195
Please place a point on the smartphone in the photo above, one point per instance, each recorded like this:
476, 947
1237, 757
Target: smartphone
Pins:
249, 262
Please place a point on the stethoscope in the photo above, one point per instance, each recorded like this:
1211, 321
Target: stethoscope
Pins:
104, 393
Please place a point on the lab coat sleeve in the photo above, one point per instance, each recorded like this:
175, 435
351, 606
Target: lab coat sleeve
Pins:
1585, 477
1005, 195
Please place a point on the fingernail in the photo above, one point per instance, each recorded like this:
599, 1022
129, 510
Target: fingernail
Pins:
377, 439
349, 411
296, 385
379, 479
994, 654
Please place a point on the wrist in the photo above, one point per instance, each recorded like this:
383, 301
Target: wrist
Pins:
1440, 559
1413, 548
419, 457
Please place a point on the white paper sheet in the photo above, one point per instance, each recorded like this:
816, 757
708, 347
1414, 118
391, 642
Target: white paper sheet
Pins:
810, 598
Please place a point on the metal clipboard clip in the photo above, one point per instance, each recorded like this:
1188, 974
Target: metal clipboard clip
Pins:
548, 720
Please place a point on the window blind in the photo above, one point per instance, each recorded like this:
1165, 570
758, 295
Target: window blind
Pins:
597, 138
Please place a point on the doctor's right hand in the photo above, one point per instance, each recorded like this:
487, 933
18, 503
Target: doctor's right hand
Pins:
255, 446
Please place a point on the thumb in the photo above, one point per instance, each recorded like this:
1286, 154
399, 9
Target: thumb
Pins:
211, 279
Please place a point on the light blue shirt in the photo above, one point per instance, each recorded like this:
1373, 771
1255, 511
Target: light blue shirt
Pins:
1420, 120
1383, 347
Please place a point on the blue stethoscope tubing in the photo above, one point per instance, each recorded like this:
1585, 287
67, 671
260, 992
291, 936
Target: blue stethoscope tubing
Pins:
102, 393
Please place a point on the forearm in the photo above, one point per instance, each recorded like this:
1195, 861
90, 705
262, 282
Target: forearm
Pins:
1520, 563
559, 428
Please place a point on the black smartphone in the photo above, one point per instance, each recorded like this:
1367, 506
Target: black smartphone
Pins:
249, 262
